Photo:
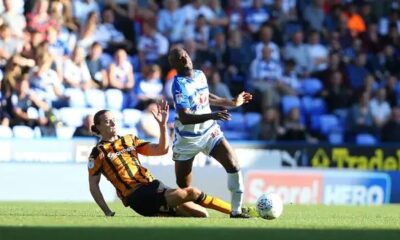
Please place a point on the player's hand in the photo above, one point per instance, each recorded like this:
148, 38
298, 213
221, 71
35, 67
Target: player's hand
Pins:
221, 115
110, 214
161, 115
242, 98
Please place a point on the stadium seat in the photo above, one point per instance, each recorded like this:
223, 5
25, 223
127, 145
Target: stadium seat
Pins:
134, 60
65, 132
335, 138
131, 117
130, 130
21, 131
365, 139
311, 86
289, 102
236, 135
72, 116
237, 122
95, 98
5, 132
328, 123
106, 59
251, 119
114, 99
76, 97
171, 116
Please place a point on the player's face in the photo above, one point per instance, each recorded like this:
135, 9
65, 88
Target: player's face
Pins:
107, 126
184, 61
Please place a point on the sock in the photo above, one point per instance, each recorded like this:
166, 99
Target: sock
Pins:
235, 185
213, 203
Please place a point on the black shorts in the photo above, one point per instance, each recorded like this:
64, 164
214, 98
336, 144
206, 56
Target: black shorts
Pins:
149, 200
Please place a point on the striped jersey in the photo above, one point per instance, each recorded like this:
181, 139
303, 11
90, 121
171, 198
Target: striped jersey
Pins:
118, 161
192, 93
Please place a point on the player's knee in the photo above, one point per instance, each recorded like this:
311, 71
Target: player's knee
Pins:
192, 193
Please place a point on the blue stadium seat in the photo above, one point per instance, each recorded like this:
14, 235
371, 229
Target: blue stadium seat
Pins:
328, 123
21, 131
251, 119
236, 135
237, 122
76, 97
131, 117
95, 98
65, 132
335, 138
72, 116
114, 99
366, 139
311, 86
130, 130
5, 132
106, 59
289, 102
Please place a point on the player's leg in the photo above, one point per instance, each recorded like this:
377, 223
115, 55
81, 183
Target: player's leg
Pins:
191, 209
225, 155
179, 196
183, 172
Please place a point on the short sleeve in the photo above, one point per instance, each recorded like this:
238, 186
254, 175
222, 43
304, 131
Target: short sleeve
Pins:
95, 162
138, 143
181, 98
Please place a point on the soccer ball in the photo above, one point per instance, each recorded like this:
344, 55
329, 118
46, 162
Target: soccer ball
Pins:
269, 206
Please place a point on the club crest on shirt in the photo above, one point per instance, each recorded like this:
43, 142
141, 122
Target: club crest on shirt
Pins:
91, 163
179, 98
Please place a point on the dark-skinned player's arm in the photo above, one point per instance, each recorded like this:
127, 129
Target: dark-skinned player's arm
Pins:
94, 181
242, 98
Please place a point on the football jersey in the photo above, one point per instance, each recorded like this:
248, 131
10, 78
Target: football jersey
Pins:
118, 161
192, 93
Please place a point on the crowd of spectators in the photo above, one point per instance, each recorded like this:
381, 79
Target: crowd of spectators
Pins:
317, 68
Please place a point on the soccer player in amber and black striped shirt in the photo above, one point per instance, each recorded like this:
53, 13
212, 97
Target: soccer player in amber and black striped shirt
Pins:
116, 157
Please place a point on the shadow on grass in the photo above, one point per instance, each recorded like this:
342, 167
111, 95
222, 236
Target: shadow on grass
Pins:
190, 233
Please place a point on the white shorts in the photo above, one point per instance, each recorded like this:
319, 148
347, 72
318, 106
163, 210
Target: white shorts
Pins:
187, 147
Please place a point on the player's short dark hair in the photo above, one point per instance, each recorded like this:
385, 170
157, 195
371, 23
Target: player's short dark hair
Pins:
96, 120
173, 56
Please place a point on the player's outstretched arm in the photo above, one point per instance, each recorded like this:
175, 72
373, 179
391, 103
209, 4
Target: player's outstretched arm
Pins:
94, 181
242, 98
186, 117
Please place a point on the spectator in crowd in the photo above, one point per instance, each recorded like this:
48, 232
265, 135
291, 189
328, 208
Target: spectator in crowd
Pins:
360, 116
294, 128
109, 36
218, 51
265, 73
266, 35
83, 8
46, 83
199, 32
87, 31
236, 15
355, 22
76, 72
392, 86
120, 75
84, 129
380, 108
9, 45
318, 53
15, 20
171, 21
216, 86
96, 67
28, 108
150, 86
194, 9
314, 15
269, 128
256, 16
39, 19
289, 83
337, 95
220, 20
298, 51
357, 71
390, 132
152, 46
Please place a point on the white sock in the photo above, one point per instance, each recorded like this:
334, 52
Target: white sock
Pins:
235, 185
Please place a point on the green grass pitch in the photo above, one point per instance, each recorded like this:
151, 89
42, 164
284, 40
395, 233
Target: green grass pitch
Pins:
73, 221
